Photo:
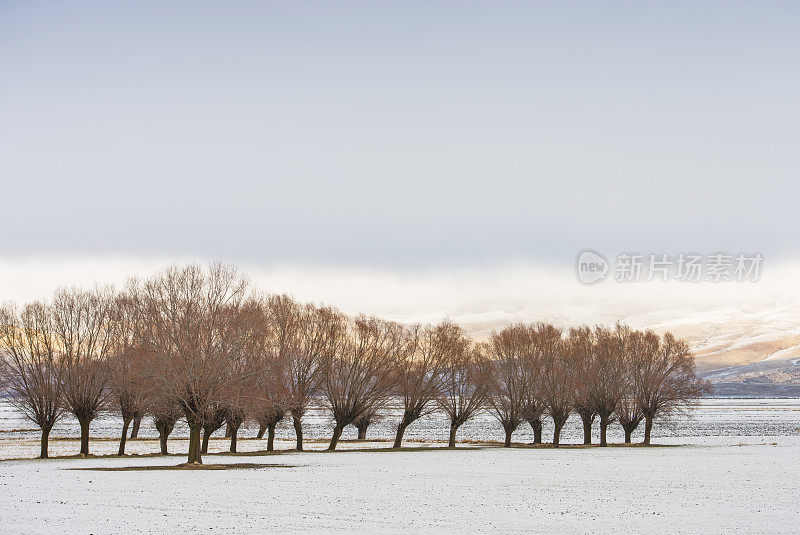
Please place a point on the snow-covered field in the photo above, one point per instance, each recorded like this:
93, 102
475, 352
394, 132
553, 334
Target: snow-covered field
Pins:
734, 468
693, 489
712, 417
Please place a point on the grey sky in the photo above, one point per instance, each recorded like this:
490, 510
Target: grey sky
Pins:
398, 134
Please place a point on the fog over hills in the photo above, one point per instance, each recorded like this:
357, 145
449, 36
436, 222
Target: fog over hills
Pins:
414, 164
740, 332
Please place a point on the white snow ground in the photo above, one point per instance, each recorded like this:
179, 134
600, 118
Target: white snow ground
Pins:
734, 468
713, 417
715, 488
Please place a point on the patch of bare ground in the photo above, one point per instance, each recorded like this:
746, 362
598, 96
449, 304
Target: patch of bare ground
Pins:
258, 453
404, 449
112, 439
185, 466
254, 453
94, 456
588, 446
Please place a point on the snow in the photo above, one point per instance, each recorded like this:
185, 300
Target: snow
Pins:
712, 417
733, 467
712, 489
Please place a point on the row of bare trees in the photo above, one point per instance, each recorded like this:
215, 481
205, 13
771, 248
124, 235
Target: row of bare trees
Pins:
599, 374
199, 343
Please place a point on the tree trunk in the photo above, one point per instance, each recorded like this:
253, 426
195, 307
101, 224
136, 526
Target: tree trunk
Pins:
84, 436
603, 431
262, 428
164, 428
557, 424
228, 430
206, 438
209, 428
125, 423
401, 429
362, 431
648, 427
337, 432
629, 428
536, 424
298, 430
587, 428
453, 430
271, 436
509, 432
45, 441
195, 450
137, 421
162, 438
234, 436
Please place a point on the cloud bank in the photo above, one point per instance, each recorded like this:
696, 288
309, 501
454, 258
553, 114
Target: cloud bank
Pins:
726, 322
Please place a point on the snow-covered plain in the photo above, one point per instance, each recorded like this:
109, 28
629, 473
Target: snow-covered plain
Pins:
747, 480
712, 417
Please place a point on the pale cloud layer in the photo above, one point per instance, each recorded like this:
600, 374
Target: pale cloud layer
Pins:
398, 135
414, 160
725, 322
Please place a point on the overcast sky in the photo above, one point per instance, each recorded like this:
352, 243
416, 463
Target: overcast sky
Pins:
398, 135
415, 160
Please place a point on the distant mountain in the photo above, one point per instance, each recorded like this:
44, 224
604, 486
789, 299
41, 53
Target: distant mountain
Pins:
771, 377
743, 351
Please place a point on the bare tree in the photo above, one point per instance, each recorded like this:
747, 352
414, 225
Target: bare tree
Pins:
127, 389
465, 385
357, 375
303, 335
271, 397
664, 379
262, 425
364, 421
419, 373
629, 412
137, 422
166, 413
234, 418
127, 366
607, 382
558, 380
195, 322
286, 320
28, 372
84, 332
236, 410
270, 407
214, 420
540, 338
254, 362
268, 418
507, 393
630, 415
584, 365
